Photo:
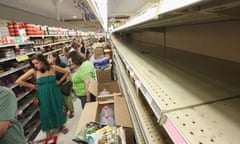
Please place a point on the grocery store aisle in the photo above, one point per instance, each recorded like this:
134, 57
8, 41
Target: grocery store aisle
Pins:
71, 124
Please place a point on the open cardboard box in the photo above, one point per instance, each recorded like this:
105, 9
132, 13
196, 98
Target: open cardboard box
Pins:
98, 52
105, 74
112, 86
92, 110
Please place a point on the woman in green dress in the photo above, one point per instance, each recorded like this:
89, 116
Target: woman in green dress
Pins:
54, 59
48, 92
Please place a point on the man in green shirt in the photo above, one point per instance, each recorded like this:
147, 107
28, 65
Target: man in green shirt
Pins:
11, 131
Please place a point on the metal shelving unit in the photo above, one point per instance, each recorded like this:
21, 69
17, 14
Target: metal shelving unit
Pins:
191, 107
146, 128
25, 113
167, 85
14, 70
216, 123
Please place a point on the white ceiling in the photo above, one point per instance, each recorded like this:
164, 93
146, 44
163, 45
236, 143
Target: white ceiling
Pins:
67, 8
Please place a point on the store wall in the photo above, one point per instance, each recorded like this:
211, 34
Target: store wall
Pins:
149, 37
219, 40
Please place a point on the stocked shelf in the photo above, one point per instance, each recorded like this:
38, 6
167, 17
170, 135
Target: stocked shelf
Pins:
30, 114
34, 131
14, 70
216, 123
14, 45
147, 127
23, 95
44, 36
51, 44
47, 53
12, 58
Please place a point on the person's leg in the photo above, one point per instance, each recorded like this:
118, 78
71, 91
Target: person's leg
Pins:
68, 104
83, 100
48, 134
64, 129
93, 98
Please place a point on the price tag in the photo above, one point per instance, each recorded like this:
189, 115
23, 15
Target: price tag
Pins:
132, 74
128, 67
22, 58
137, 84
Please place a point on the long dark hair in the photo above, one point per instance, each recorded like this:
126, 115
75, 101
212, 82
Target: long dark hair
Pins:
76, 57
58, 61
43, 60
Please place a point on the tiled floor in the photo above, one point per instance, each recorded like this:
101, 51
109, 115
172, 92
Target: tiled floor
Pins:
71, 124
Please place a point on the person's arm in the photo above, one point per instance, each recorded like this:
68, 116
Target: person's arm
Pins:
88, 95
22, 80
65, 71
69, 76
4, 125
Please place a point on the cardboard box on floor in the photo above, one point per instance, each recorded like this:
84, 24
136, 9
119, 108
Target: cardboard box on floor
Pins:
92, 110
98, 52
105, 74
112, 86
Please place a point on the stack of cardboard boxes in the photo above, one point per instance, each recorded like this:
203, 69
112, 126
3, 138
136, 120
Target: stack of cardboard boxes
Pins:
112, 98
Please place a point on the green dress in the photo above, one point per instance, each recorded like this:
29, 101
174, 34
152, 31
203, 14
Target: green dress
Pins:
51, 107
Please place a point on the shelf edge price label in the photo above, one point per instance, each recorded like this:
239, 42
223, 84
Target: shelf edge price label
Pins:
22, 58
132, 74
174, 132
137, 84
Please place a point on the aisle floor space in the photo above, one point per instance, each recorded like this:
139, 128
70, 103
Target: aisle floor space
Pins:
71, 124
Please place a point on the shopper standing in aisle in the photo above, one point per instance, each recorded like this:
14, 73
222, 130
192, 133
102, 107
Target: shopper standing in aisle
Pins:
82, 48
81, 78
54, 59
11, 132
48, 92
64, 57
75, 46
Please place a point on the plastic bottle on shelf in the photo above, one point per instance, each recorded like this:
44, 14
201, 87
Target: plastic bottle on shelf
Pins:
106, 110
108, 120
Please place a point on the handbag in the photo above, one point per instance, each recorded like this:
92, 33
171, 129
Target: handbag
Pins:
66, 88
35, 101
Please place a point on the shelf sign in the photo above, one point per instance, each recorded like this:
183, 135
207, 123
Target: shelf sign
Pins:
22, 58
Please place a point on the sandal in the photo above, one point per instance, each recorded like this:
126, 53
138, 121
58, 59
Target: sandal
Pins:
71, 115
64, 130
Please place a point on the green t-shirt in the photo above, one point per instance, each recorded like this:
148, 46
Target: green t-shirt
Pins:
85, 71
8, 111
